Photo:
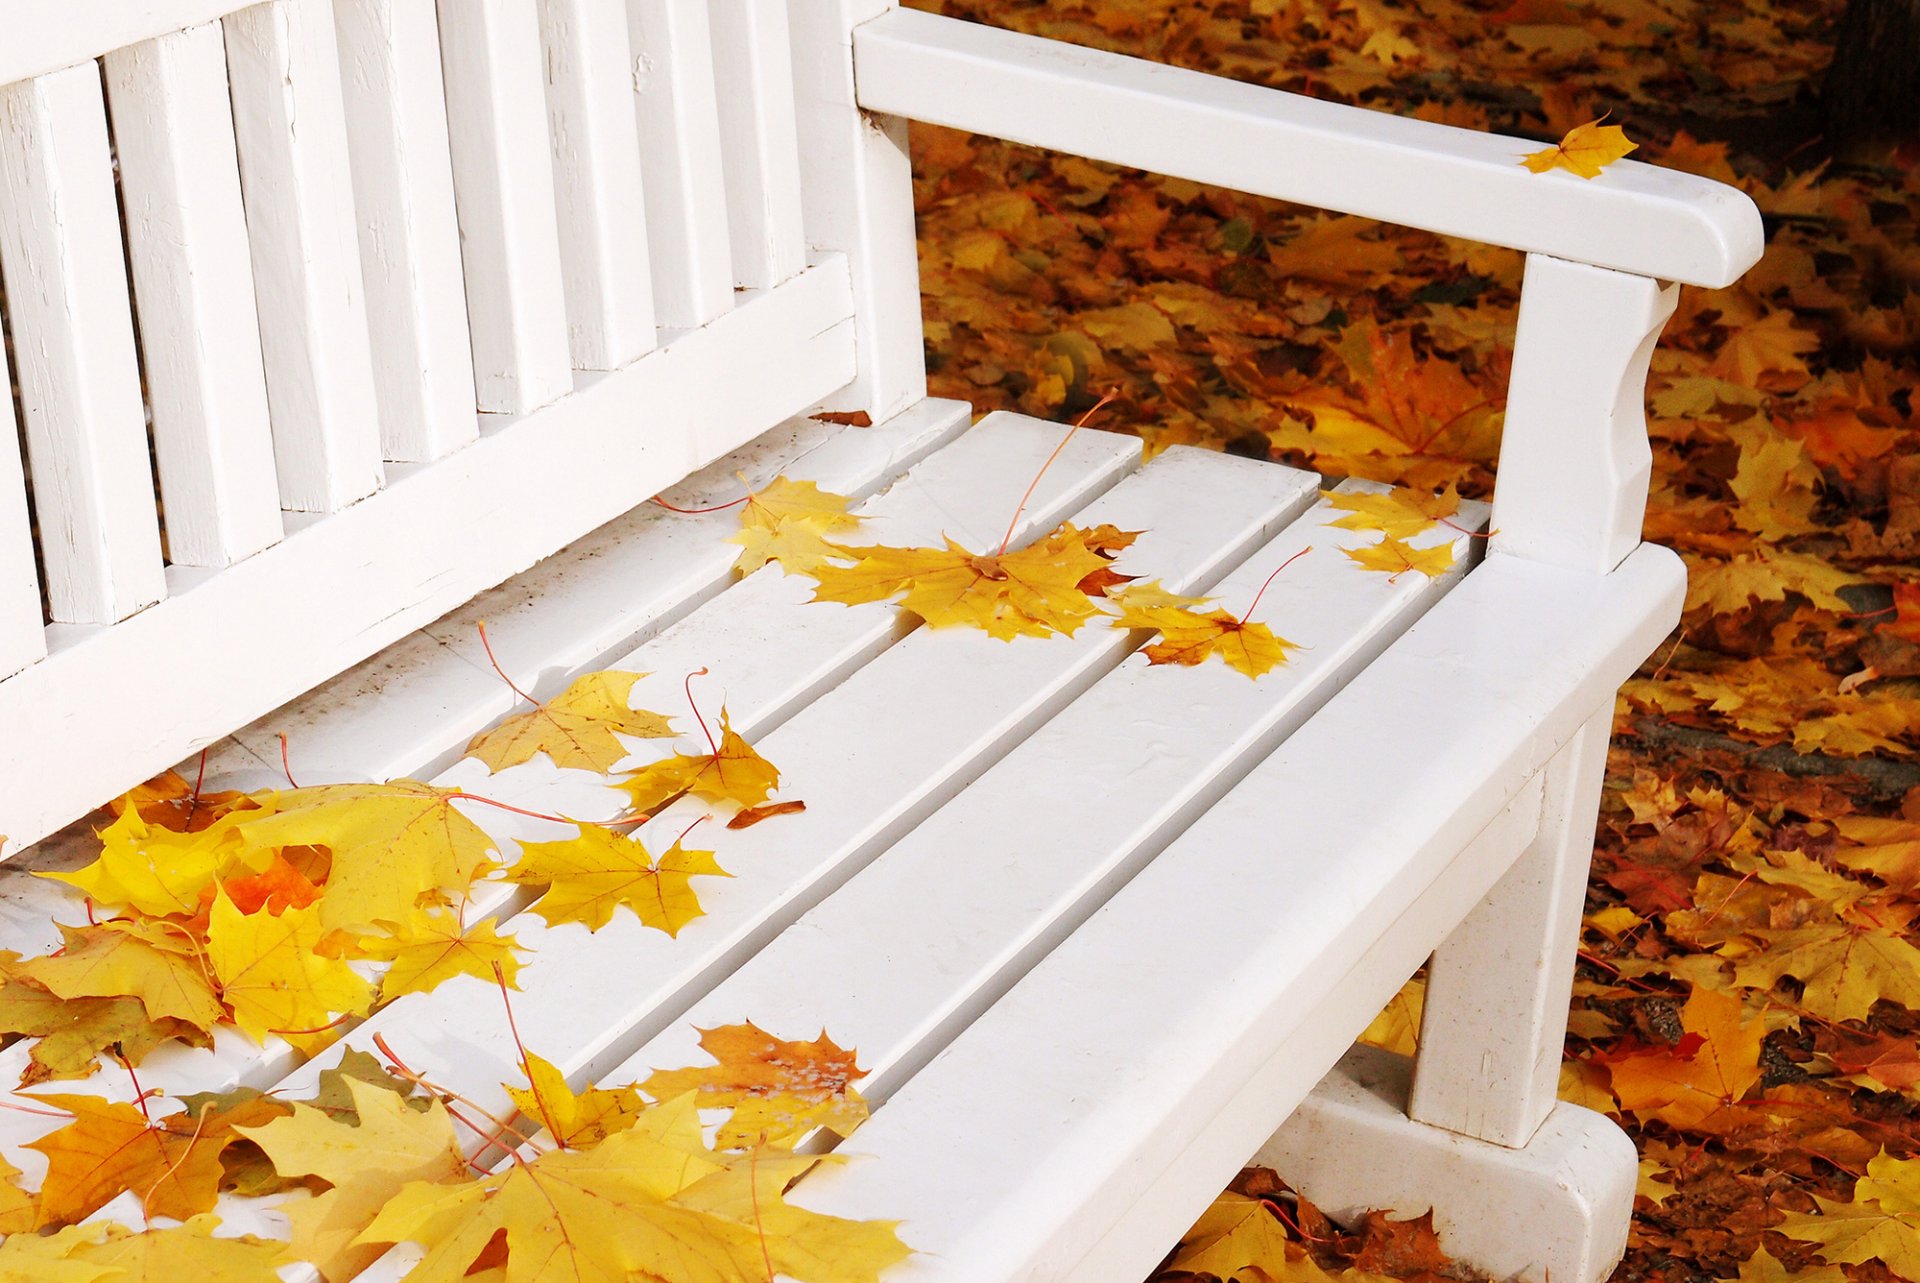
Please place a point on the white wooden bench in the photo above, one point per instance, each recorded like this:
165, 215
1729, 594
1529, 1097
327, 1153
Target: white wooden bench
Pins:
428, 305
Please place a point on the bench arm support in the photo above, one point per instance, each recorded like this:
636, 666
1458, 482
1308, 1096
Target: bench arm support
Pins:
1458, 182
1574, 460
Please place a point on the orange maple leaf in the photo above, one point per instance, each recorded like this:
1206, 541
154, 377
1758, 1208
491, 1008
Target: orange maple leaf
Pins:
1711, 1069
778, 1090
731, 772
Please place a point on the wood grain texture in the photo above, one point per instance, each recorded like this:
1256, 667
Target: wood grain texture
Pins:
503, 185
686, 195
193, 284
597, 181
72, 323
759, 148
408, 232
289, 120
857, 199
1457, 182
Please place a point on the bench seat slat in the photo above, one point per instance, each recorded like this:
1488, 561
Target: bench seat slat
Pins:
967, 487
922, 940
1101, 1063
72, 323
193, 281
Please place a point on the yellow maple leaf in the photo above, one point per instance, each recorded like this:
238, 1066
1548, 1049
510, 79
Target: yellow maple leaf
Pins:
187, 1251
18, 1214
650, 1201
392, 844
1033, 591
1189, 638
778, 1090
1844, 967
580, 727
110, 1147
1586, 150
732, 772
434, 947
1399, 513
69, 1033
1688, 1089
154, 962
1763, 1267
273, 974
1767, 575
574, 1120
1881, 1223
588, 876
35, 1258
1394, 557
159, 870
787, 522
1235, 1234
366, 1164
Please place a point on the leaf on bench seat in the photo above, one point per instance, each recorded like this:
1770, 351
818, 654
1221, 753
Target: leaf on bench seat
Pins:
70, 1033
580, 727
1400, 513
277, 974
779, 1091
1190, 636
575, 1120
434, 946
115, 1254
160, 966
732, 772
788, 522
587, 877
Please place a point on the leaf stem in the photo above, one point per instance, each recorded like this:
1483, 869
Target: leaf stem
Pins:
1270, 578
488, 647
1079, 423
687, 685
526, 1063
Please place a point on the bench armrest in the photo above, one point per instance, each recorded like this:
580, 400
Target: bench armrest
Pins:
1458, 182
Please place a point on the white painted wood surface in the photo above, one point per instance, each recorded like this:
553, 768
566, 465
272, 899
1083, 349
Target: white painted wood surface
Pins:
1494, 1028
42, 35
1557, 1209
410, 710
72, 327
283, 65
332, 592
686, 198
396, 114
193, 287
23, 638
857, 199
1574, 457
1272, 912
1458, 182
759, 148
921, 941
503, 186
597, 182
967, 489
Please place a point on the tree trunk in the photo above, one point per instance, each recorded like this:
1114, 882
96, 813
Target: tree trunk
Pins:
1872, 92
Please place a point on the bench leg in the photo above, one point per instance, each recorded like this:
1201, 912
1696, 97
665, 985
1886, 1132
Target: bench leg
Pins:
1553, 1211
1498, 989
1521, 1184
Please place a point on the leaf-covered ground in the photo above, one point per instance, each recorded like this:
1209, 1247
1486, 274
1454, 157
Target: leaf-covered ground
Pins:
1749, 997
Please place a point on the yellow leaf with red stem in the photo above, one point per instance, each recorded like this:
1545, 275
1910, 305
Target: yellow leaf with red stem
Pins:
587, 877
577, 1120
778, 1090
434, 946
275, 974
1585, 150
1395, 557
732, 772
580, 727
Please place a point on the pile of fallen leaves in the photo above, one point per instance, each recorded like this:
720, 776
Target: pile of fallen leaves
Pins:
1749, 995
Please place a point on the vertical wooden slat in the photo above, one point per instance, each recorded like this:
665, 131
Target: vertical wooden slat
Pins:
857, 191
23, 640
187, 242
680, 154
409, 237
73, 330
759, 148
596, 172
503, 183
283, 62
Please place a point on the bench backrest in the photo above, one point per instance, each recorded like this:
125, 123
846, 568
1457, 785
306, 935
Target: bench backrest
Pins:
388, 302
